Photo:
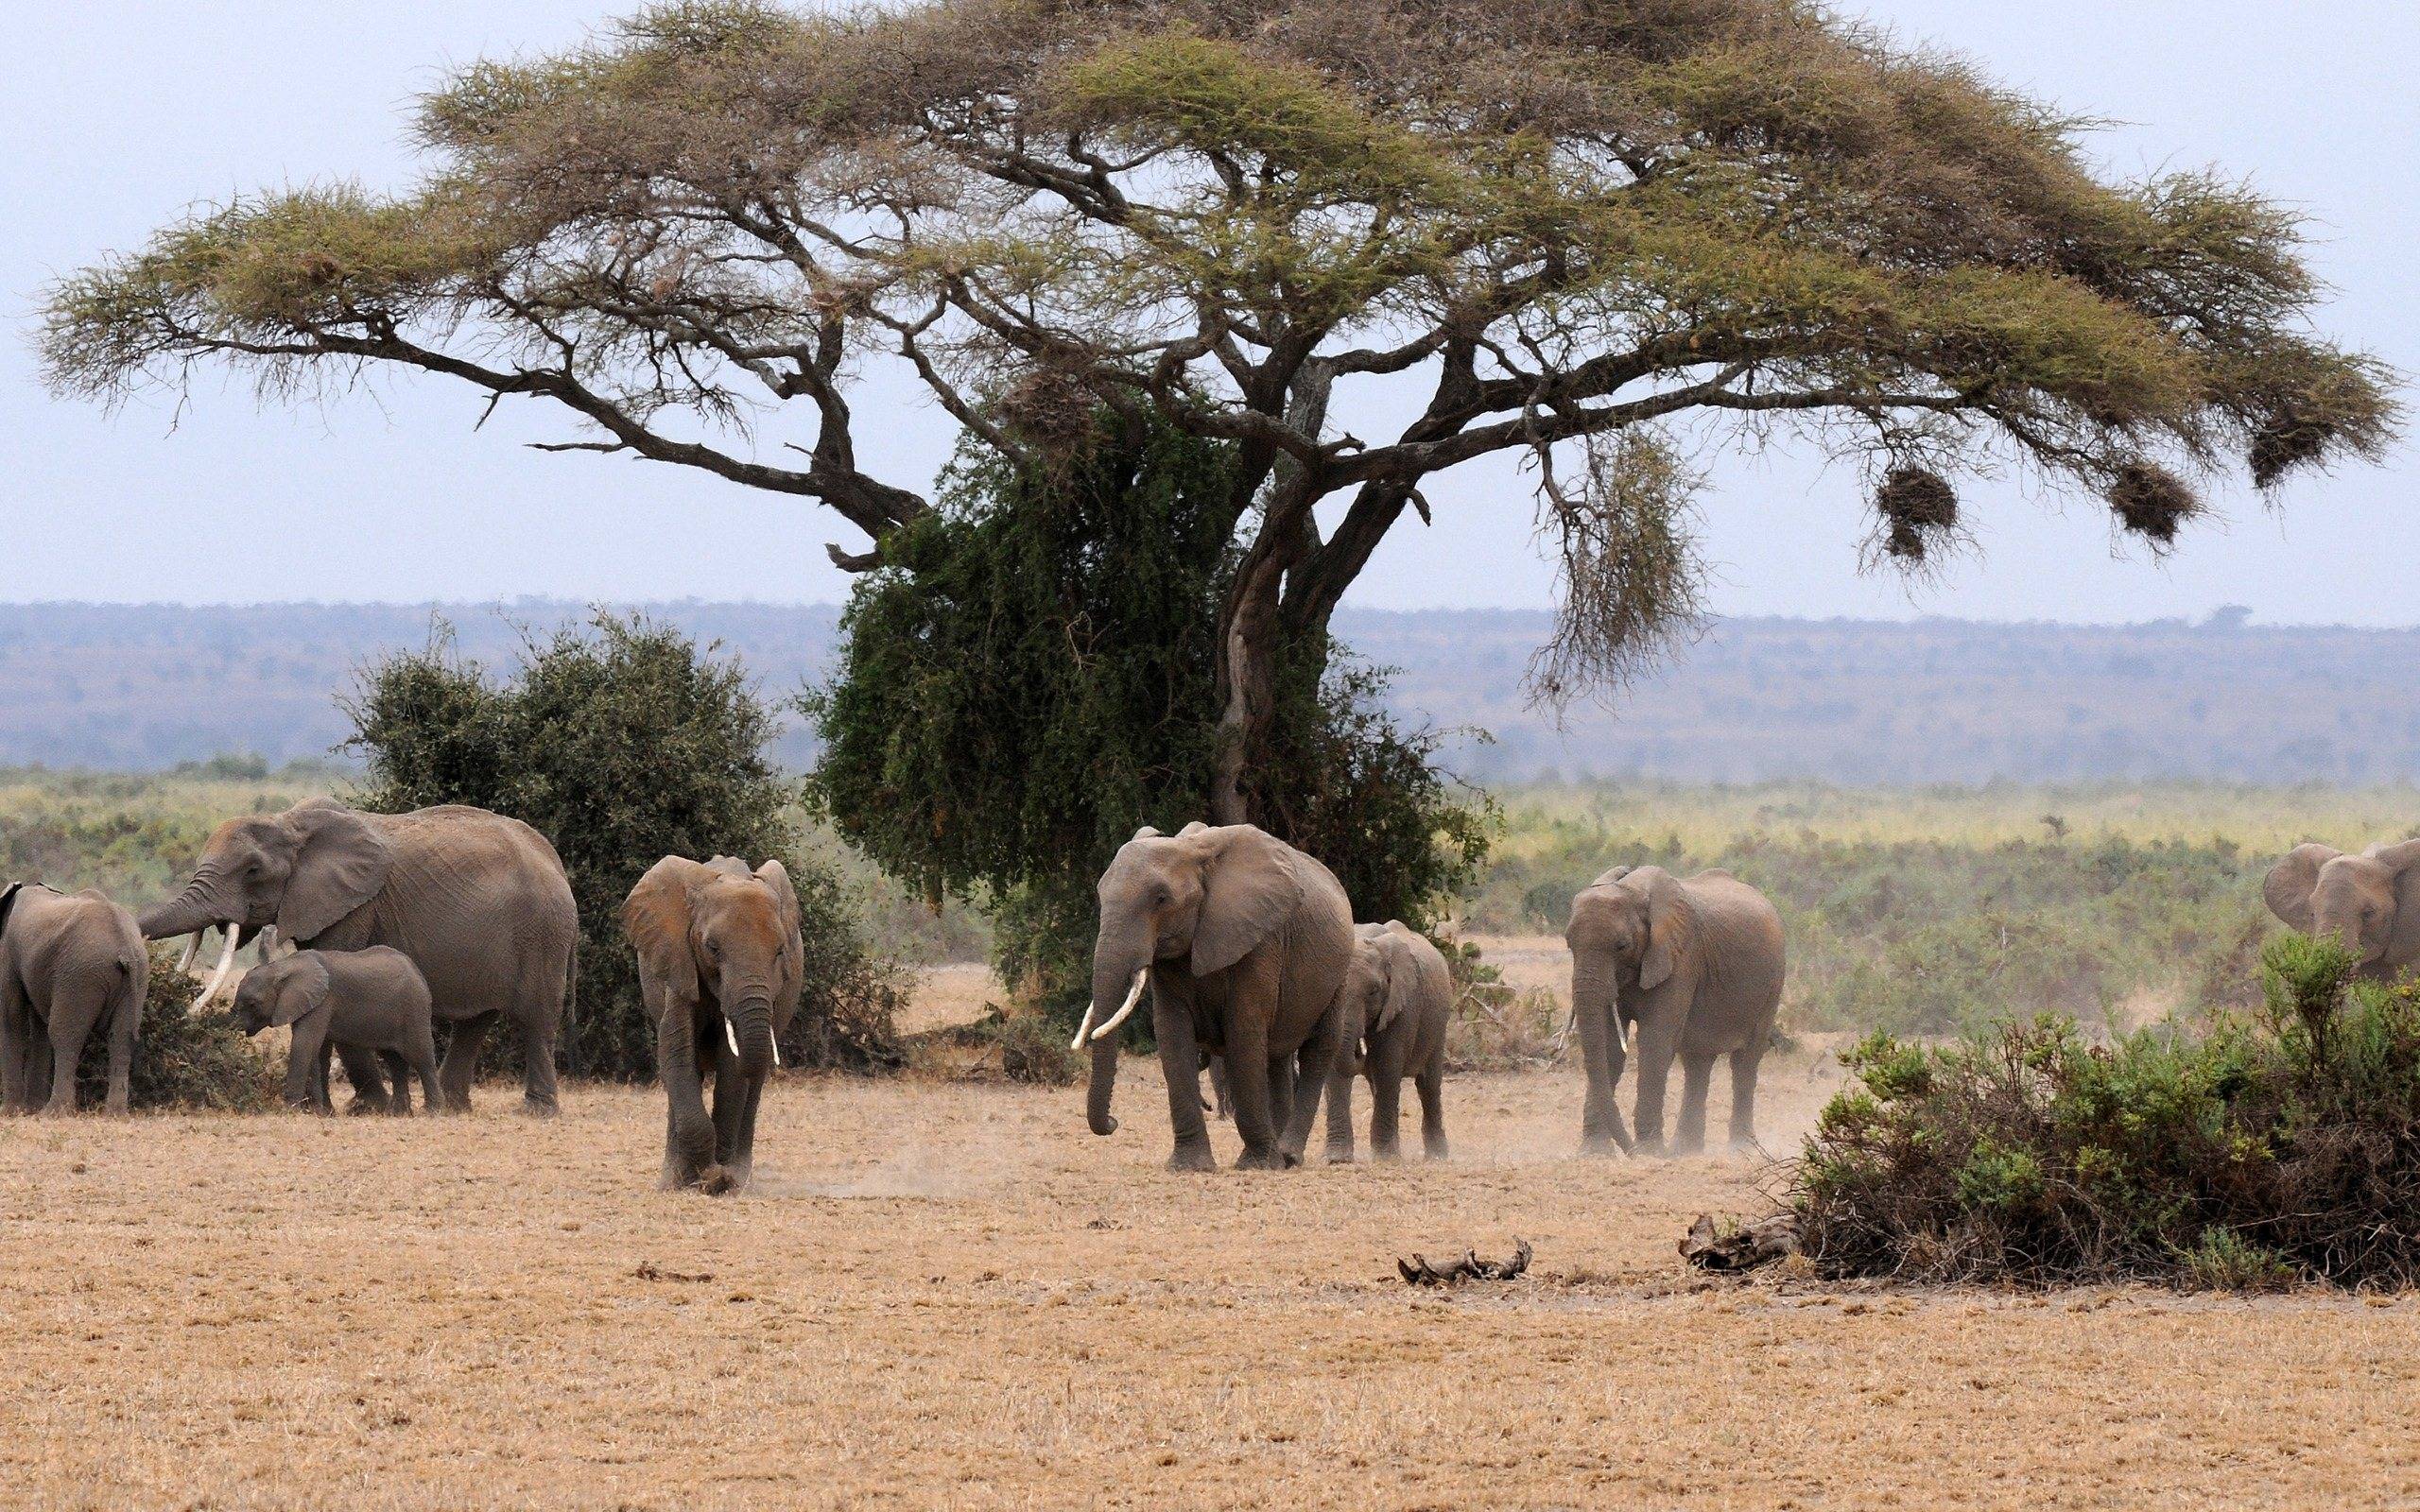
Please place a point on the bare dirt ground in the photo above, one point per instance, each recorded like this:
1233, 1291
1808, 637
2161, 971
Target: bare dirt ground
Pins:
953, 1295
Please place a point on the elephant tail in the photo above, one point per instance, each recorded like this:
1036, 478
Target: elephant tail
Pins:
571, 983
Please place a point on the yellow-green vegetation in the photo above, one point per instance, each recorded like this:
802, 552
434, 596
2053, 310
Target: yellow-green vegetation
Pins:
2278, 1145
1939, 911
135, 836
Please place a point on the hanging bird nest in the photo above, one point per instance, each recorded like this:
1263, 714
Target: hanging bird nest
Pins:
2153, 503
1051, 411
2283, 445
1919, 513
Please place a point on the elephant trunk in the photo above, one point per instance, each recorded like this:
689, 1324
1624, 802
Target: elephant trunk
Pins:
197, 908
750, 1021
1596, 1010
1118, 977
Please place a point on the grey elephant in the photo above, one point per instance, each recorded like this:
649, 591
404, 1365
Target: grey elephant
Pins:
2371, 902
477, 900
1697, 964
68, 965
1396, 998
1243, 941
373, 1000
720, 967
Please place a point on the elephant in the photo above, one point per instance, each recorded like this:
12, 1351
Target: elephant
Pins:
477, 900
1243, 941
1397, 997
2371, 902
373, 1000
720, 967
68, 964
1697, 964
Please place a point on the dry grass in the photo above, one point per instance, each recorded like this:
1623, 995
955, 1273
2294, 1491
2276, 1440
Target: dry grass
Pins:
952, 1295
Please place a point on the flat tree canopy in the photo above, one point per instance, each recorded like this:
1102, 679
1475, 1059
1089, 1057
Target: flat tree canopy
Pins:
1556, 223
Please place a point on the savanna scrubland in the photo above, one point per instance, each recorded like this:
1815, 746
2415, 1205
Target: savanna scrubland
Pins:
944, 1291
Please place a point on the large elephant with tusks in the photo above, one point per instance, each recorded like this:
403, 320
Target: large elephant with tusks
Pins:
477, 900
1243, 941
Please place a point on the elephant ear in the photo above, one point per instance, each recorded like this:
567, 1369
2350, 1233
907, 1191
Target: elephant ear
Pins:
340, 865
1672, 929
301, 990
1403, 976
1248, 888
1612, 875
9, 903
1146, 832
776, 879
656, 918
2403, 859
1191, 830
2287, 889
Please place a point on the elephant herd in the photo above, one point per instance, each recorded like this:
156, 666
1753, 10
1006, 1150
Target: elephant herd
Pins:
1250, 954
1247, 946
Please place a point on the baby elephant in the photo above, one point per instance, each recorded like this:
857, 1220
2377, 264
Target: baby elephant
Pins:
1397, 997
370, 1000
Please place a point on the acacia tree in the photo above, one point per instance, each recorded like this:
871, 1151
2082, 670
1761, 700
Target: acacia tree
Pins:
1557, 226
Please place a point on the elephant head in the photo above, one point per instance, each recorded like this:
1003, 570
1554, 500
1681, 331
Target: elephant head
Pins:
1638, 919
297, 872
274, 996
721, 933
1199, 900
2370, 902
1381, 985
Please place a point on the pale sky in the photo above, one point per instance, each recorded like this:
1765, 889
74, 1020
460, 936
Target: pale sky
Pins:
120, 113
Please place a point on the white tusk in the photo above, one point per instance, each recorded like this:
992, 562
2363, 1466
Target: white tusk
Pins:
193, 948
731, 1037
1084, 1030
1134, 995
777, 1050
226, 964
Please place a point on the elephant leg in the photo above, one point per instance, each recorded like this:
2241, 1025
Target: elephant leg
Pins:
1656, 1047
361, 1068
538, 1095
1744, 1096
305, 1062
76, 1006
37, 1058
1311, 1064
1226, 1105
125, 1025
1247, 1055
1281, 1096
1695, 1073
688, 1129
1386, 1104
1432, 1109
1180, 1063
399, 1078
461, 1066
16, 1049
1340, 1110
1602, 1059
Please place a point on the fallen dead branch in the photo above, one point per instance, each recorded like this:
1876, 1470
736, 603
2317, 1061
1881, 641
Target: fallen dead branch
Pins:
1745, 1248
1419, 1271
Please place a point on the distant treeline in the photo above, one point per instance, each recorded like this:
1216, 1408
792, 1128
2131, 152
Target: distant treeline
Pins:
148, 687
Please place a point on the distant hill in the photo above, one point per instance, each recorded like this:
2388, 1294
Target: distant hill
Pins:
145, 687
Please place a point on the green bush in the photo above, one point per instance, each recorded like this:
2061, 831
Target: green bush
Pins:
183, 1060
2268, 1148
623, 744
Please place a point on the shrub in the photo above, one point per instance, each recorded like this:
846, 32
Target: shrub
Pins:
2262, 1151
623, 743
183, 1060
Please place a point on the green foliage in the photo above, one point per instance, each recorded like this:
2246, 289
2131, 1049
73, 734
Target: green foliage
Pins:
622, 743
2243, 1157
184, 1061
1028, 678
